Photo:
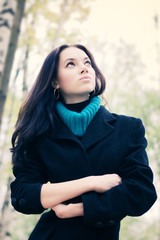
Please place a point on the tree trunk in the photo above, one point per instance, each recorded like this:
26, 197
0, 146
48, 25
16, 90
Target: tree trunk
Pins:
7, 12
10, 54
25, 69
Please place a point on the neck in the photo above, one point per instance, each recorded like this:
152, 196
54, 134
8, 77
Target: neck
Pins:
77, 107
75, 99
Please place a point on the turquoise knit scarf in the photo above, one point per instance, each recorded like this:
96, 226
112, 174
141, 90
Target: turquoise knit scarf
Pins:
78, 122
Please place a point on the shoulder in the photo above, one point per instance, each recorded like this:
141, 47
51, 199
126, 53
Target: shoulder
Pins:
122, 120
105, 112
129, 120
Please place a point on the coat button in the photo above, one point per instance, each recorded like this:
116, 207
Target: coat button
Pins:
22, 202
13, 201
99, 225
110, 223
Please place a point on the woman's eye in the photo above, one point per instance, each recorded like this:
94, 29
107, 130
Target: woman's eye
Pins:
70, 64
88, 62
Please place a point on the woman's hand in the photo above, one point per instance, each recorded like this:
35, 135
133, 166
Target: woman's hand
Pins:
55, 193
68, 211
97, 183
105, 182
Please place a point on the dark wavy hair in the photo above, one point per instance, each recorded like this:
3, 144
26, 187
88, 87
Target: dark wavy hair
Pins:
36, 115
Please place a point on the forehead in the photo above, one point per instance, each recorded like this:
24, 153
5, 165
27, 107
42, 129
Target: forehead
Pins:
72, 52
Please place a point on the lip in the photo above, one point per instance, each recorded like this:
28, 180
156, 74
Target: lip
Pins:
85, 78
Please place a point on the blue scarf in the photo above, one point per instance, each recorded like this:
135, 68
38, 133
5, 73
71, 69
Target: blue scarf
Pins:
78, 122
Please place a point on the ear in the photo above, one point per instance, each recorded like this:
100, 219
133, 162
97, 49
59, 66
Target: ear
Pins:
55, 84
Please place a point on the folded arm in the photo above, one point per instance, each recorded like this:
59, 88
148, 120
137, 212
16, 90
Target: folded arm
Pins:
30, 193
134, 196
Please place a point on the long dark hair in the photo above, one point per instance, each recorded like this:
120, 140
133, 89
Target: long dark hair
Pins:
36, 115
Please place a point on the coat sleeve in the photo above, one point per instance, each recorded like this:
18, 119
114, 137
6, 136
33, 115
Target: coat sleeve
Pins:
26, 188
134, 196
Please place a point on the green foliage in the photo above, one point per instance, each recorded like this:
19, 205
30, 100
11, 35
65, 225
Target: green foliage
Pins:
54, 15
130, 97
137, 228
23, 226
152, 231
127, 228
12, 107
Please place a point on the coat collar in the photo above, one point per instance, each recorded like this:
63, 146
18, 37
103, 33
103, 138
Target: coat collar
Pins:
99, 127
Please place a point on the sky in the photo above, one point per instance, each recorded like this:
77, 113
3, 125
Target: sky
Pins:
128, 19
131, 21
110, 21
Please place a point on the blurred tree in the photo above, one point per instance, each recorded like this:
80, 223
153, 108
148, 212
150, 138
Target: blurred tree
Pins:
10, 18
37, 12
130, 95
53, 30
7, 12
12, 24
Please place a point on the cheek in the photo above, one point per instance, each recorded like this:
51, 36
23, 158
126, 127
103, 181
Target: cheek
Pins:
93, 75
92, 72
64, 80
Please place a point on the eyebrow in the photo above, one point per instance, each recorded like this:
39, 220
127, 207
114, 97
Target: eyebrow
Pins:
72, 59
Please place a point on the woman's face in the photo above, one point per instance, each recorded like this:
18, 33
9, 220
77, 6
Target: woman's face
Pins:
76, 77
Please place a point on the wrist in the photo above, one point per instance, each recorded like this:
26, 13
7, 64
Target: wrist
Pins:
90, 181
76, 209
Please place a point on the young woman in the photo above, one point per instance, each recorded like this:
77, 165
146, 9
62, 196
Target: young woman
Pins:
73, 156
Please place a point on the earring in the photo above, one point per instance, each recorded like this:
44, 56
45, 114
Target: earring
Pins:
56, 93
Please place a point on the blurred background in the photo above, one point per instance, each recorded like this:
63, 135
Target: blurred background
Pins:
124, 37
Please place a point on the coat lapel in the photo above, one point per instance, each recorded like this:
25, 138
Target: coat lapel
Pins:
61, 131
99, 127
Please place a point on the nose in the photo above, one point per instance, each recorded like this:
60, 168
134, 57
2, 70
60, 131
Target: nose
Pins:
83, 69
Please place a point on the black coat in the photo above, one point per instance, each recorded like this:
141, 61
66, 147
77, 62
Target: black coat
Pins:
112, 144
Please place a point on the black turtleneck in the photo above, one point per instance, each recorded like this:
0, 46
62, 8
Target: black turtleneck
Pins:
77, 107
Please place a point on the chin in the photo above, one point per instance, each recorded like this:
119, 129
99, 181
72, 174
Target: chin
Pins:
89, 89
87, 92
